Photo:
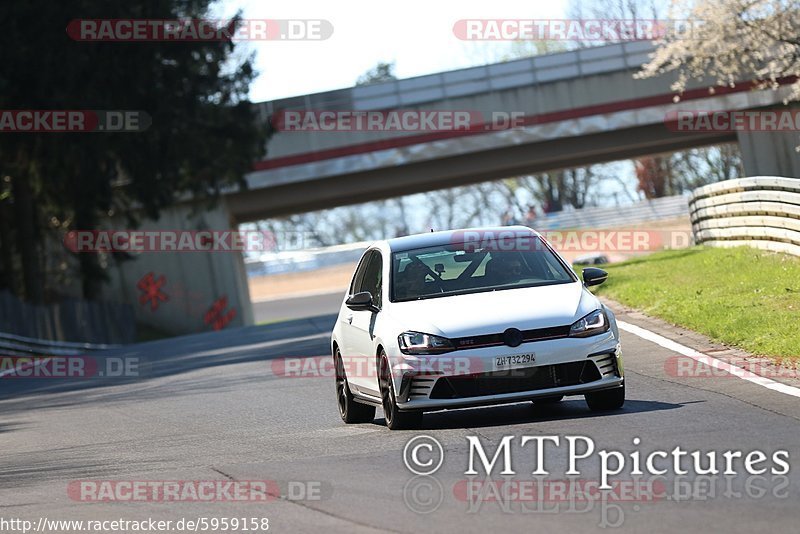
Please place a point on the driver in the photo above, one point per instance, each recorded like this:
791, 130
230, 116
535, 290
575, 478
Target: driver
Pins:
504, 268
411, 281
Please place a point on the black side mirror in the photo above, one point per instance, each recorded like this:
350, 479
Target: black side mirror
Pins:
360, 301
592, 276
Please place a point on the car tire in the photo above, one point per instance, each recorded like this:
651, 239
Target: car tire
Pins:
607, 399
350, 410
395, 419
548, 400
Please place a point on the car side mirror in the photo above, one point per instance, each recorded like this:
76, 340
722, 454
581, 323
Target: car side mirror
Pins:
360, 301
592, 276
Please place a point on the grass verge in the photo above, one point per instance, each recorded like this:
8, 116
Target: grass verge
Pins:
738, 296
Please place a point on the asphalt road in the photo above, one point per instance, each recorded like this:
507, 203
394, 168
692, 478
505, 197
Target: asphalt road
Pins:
215, 407
270, 311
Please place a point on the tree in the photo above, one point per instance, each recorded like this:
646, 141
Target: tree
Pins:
620, 10
700, 166
203, 137
382, 72
685, 170
734, 41
654, 176
461, 207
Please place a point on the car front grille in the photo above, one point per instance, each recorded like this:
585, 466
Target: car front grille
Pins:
421, 387
493, 340
607, 363
516, 380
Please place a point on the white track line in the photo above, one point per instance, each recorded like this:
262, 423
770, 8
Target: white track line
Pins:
708, 360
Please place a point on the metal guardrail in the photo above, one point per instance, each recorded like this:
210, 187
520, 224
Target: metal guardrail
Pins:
80, 321
760, 211
25, 346
656, 209
305, 260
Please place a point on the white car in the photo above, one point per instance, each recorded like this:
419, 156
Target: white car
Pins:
468, 318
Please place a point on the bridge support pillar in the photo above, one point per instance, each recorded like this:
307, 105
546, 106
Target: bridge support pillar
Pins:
770, 153
184, 292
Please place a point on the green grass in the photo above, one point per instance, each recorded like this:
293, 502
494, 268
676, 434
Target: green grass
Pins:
739, 296
271, 321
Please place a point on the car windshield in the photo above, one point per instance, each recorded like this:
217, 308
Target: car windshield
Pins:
450, 269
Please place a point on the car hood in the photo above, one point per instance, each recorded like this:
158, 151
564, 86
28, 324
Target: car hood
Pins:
493, 311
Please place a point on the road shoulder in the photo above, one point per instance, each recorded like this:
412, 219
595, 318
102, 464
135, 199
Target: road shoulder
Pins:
782, 371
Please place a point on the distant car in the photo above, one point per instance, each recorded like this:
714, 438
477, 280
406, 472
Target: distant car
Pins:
591, 259
444, 320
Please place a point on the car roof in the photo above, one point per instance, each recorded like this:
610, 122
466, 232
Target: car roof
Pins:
433, 239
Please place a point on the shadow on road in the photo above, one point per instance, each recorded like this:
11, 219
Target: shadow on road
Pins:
10, 427
527, 412
61, 463
297, 338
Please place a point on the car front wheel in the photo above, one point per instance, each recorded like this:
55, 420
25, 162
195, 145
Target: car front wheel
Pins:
350, 410
607, 399
395, 419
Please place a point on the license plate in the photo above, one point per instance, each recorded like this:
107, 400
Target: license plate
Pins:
514, 359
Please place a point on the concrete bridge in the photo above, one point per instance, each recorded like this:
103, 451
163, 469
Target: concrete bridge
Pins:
578, 108
573, 108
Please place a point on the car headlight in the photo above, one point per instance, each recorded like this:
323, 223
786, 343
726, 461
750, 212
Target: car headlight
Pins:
419, 343
590, 325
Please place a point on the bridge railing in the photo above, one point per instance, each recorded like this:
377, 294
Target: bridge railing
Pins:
399, 94
761, 211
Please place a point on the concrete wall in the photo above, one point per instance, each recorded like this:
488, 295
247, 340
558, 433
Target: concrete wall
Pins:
191, 282
759, 211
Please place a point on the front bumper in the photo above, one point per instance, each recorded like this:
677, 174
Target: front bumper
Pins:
570, 366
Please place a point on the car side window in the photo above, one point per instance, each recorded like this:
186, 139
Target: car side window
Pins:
355, 285
373, 278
